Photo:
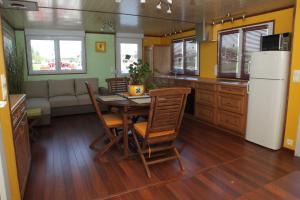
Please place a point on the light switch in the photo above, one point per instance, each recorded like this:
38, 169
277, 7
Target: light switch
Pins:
296, 76
3, 87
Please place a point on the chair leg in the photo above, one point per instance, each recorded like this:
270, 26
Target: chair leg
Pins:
179, 159
94, 143
105, 149
142, 155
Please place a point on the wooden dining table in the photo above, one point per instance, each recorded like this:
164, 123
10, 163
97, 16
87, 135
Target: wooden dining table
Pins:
128, 109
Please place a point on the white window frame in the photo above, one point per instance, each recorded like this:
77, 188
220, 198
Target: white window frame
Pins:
128, 38
56, 36
241, 39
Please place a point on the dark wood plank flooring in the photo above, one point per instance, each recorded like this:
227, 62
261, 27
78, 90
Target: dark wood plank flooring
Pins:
218, 166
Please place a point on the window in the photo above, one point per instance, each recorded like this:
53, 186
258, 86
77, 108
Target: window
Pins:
58, 53
236, 47
127, 44
185, 57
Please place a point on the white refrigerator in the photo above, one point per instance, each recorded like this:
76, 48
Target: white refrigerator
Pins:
267, 90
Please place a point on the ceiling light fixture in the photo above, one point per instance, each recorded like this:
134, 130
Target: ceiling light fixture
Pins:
143, 1
229, 18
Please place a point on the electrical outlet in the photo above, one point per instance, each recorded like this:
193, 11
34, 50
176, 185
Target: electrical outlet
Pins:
289, 142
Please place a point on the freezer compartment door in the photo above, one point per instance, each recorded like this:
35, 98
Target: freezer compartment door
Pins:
270, 65
266, 112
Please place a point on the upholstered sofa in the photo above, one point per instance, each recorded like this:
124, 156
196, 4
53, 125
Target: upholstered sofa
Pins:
60, 97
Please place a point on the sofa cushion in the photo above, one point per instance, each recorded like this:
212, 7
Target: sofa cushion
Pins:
84, 99
61, 87
80, 87
63, 101
36, 89
42, 103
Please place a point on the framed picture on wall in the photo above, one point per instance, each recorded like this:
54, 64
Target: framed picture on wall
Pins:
101, 47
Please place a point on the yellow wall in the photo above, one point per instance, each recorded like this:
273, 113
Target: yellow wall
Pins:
148, 41
208, 59
294, 93
7, 135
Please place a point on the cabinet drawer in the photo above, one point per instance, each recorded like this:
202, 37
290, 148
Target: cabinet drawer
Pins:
205, 97
206, 86
232, 103
231, 121
205, 113
18, 113
232, 90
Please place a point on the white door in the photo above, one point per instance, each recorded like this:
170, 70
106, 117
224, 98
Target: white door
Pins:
266, 110
270, 64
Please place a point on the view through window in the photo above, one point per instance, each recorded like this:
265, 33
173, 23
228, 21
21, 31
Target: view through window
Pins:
56, 54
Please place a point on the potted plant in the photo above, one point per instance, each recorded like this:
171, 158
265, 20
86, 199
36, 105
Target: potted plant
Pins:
139, 73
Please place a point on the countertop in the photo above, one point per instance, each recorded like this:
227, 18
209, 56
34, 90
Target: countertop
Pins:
15, 99
240, 83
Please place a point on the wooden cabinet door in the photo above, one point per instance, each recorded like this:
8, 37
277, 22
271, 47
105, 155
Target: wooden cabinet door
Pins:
232, 103
231, 121
22, 151
205, 97
206, 113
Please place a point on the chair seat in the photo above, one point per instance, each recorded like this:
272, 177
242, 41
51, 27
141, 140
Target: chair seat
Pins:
142, 127
114, 120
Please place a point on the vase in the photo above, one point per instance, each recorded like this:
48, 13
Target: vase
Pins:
136, 90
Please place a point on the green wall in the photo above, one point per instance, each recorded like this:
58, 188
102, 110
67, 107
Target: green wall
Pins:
100, 65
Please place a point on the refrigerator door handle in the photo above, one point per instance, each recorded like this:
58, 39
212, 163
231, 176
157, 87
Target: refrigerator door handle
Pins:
248, 87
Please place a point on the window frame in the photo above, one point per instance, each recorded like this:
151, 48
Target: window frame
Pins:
56, 40
185, 71
241, 74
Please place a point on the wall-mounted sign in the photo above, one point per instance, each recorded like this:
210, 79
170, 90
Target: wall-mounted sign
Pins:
101, 47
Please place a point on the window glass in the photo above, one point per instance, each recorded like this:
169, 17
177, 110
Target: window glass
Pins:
128, 49
70, 55
229, 53
252, 44
236, 47
178, 59
43, 55
191, 55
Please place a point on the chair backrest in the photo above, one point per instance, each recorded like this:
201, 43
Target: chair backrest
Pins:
94, 101
166, 110
117, 85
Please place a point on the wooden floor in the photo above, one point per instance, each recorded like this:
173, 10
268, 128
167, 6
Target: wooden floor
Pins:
218, 166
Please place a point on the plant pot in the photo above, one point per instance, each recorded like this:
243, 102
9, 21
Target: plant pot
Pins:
136, 90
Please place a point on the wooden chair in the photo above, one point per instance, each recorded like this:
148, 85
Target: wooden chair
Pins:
117, 85
110, 122
158, 135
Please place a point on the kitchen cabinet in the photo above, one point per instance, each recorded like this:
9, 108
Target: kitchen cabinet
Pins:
222, 104
21, 139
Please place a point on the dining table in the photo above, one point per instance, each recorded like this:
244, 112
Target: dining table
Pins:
128, 108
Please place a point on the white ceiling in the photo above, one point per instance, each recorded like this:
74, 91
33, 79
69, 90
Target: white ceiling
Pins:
131, 16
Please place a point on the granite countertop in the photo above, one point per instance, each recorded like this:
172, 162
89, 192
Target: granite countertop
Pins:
205, 80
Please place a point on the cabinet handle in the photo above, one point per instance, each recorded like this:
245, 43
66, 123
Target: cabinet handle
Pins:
248, 87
